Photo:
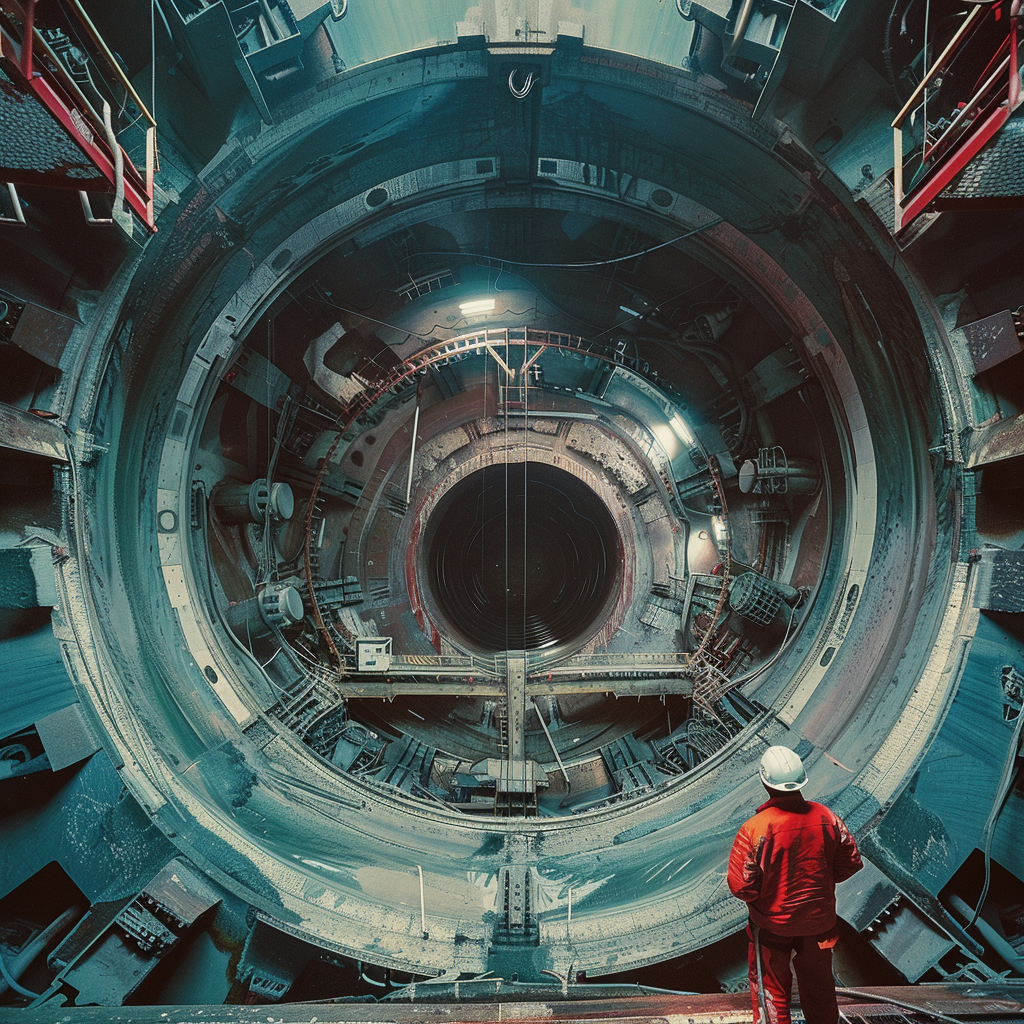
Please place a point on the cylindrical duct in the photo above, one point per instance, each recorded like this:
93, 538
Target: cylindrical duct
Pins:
236, 504
781, 476
281, 605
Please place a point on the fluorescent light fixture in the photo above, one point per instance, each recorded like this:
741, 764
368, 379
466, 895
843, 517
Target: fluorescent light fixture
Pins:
476, 306
631, 312
720, 527
667, 439
684, 432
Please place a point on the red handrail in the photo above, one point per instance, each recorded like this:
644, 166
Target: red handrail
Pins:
996, 94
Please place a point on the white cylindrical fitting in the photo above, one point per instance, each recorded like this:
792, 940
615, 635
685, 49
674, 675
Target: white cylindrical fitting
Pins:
281, 605
247, 503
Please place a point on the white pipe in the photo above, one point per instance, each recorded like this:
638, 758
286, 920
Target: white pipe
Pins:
118, 214
739, 31
554, 749
370, 981
999, 944
20, 963
412, 455
423, 909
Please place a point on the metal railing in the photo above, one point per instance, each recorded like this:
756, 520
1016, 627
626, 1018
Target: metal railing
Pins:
988, 37
490, 340
44, 74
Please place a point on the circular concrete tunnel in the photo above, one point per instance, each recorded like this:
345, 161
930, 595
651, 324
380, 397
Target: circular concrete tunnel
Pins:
509, 354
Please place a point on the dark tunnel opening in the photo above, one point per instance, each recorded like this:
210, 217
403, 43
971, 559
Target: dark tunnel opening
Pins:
521, 557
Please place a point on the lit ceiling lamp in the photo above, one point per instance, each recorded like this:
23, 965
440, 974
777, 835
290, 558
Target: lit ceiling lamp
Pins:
678, 424
476, 306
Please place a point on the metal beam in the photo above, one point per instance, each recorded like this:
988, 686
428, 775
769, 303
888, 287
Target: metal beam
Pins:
994, 442
25, 432
647, 687
610, 665
387, 689
501, 362
398, 686
1000, 586
516, 706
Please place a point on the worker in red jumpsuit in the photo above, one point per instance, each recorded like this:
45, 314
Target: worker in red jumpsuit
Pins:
785, 863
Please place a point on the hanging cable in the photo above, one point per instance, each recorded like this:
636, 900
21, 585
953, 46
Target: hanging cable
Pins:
924, 76
506, 521
152, 58
526, 459
383, 323
1006, 779
12, 982
574, 266
520, 92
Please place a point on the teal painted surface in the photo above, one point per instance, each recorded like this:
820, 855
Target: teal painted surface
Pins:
939, 819
84, 819
17, 580
33, 680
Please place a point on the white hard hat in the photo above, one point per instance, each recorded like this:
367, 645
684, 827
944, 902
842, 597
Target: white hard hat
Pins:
782, 769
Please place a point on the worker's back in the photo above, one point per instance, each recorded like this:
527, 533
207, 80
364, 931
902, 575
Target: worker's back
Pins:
786, 861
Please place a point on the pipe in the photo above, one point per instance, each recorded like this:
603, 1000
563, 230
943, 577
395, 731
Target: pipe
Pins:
423, 906
412, 456
762, 1003
19, 215
117, 214
740, 30
366, 978
268, 16
554, 750
12, 971
9, 982
1005, 951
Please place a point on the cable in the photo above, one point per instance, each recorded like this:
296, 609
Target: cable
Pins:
497, 369
571, 266
875, 997
1005, 782
523, 382
20, 989
383, 323
152, 59
888, 48
323, 295
762, 1002
924, 76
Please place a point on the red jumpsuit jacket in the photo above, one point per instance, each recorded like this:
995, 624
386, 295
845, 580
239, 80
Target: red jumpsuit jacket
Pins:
785, 863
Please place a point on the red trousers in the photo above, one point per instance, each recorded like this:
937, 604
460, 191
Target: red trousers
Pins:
811, 957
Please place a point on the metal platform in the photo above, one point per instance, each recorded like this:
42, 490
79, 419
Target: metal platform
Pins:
575, 1005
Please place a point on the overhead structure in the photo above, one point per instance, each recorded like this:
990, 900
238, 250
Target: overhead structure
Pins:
514, 427
56, 106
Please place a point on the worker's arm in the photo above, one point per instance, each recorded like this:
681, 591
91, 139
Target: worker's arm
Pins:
744, 869
847, 860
